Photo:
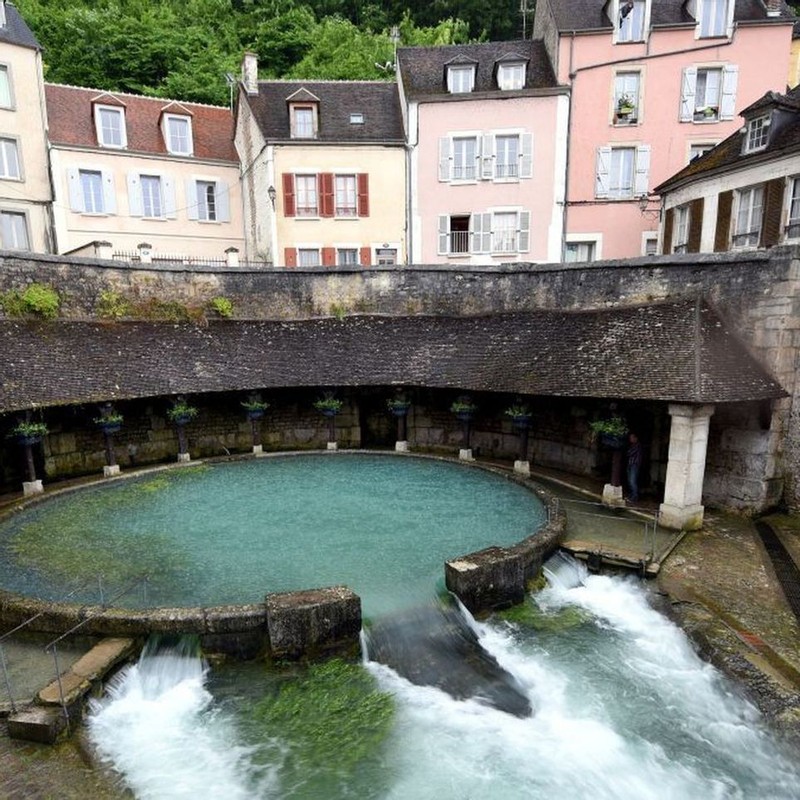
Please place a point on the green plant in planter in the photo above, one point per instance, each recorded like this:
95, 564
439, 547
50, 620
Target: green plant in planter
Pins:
255, 405
613, 426
397, 404
111, 418
181, 410
29, 430
517, 410
328, 403
463, 406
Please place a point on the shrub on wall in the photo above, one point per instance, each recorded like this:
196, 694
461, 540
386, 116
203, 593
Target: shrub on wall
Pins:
222, 306
38, 298
112, 305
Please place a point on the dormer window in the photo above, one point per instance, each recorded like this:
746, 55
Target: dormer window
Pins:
110, 126
630, 23
460, 78
511, 76
304, 121
712, 16
357, 118
757, 134
2, 15
178, 134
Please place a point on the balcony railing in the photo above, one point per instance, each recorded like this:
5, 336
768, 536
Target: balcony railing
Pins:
792, 230
504, 242
346, 211
748, 239
307, 211
506, 170
463, 172
459, 242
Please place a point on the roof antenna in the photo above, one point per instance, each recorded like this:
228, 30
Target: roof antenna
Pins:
524, 9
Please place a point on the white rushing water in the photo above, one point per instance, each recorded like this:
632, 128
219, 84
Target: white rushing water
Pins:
623, 709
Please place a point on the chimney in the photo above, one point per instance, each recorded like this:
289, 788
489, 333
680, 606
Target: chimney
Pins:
250, 73
773, 8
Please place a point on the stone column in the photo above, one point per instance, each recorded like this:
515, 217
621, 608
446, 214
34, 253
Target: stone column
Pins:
686, 466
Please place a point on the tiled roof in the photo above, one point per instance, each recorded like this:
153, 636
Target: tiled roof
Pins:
678, 351
423, 68
71, 117
784, 139
378, 101
589, 15
16, 31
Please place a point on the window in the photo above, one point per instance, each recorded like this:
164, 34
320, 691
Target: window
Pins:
460, 79
793, 226
511, 76
347, 257
346, 202
631, 21
92, 191
713, 17
206, 200
455, 231
497, 232
9, 160
579, 251
308, 257
680, 230
306, 192
152, 198
747, 222
504, 232
303, 122
465, 154
14, 231
178, 134
506, 163
6, 100
626, 98
622, 172
110, 124
697, 150
650, 246
386, 256
357, 118
708, 94
757, 134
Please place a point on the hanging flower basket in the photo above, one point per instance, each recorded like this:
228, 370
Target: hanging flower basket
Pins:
398, 407
612, 432
109, 423
328, 406
181, 413
255, 409
464, 409
520, 416
29, 433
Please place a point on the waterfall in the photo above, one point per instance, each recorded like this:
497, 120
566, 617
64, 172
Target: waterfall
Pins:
564, 571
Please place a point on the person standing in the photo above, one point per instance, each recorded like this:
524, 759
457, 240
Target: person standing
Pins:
634, 463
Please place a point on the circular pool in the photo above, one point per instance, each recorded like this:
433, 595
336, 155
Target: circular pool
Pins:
232, 532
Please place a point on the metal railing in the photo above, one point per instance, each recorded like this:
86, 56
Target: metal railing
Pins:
459, 241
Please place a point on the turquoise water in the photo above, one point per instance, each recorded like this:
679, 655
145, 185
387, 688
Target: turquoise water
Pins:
230, 533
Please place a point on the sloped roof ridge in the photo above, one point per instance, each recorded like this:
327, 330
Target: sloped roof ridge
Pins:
503, 43
154, 98
304, 82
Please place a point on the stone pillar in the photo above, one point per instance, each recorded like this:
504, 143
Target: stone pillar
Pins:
145, 253
104, 250
232, 257
686, 466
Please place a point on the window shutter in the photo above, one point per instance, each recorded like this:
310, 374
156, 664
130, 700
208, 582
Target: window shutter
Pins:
526, 159
444, 158
190, 187
290, 256
486, 169
688, 91
669, 220
603, 167
328, 257
641, 179
325, 189
223, 197
730, 81
695, 225
170, 204
365, 256
724, 209
486, 233
524, 233
363, 194
444, 235
288, 196
109, 195
134, 195
773, 213
75, 189
476, 226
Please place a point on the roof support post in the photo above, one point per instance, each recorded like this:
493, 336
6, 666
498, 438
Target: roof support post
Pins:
686, 467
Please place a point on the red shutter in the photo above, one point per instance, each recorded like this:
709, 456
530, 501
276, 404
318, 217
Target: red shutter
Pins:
363, 194
328, 257
365, 256
288, 195
325, 183
290, 256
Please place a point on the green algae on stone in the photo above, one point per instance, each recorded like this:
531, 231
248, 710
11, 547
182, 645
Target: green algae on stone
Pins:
529, 615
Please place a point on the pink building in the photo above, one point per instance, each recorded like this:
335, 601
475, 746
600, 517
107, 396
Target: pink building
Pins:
486, 128
654, 83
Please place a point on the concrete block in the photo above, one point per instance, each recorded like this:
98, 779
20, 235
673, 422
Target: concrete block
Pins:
32, 487
522, 467
489, 579
258, 449
184, 458
401, 447
465, 454
689, 518
111, 471
37, 724
612, 495
332, 446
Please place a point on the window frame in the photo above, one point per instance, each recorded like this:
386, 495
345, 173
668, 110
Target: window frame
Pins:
168, 139
298, 131
309, 181
622, 91
147, 179
753, 235
456, 140
347, 210
621, 36
206, 212
6, 69
511, 76
591, 250
680, 228
304, 251
19, 215
460, 78
703, 5
757, 130
700, 113
706, 147
10, 144
509, 163
343, 261
618, 154
92, 195
792, 228
603, 172
119, 112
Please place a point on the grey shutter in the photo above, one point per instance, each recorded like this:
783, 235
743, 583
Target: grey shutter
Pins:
475, 221
524, 233
444, 234
444, 158
526, 159
135, 195
486, 233
222, 194
603, 167
730, 82
192, 210
109, 195
488, 160
688, 91
642, 173
170, 204
75, 189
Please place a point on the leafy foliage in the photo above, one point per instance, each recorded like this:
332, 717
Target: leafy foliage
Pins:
112, 305
29, 429
614, 426
222, 306
38, 298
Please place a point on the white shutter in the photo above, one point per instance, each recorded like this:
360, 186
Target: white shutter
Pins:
134, 195
688, 91
170, 204
526, 158
487, 172
730, 82
109, 195
444, 234
75, 189
222, 194
475, 229
190, 187
603, 167
486, 233
444, 158
524, 232
641, 178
